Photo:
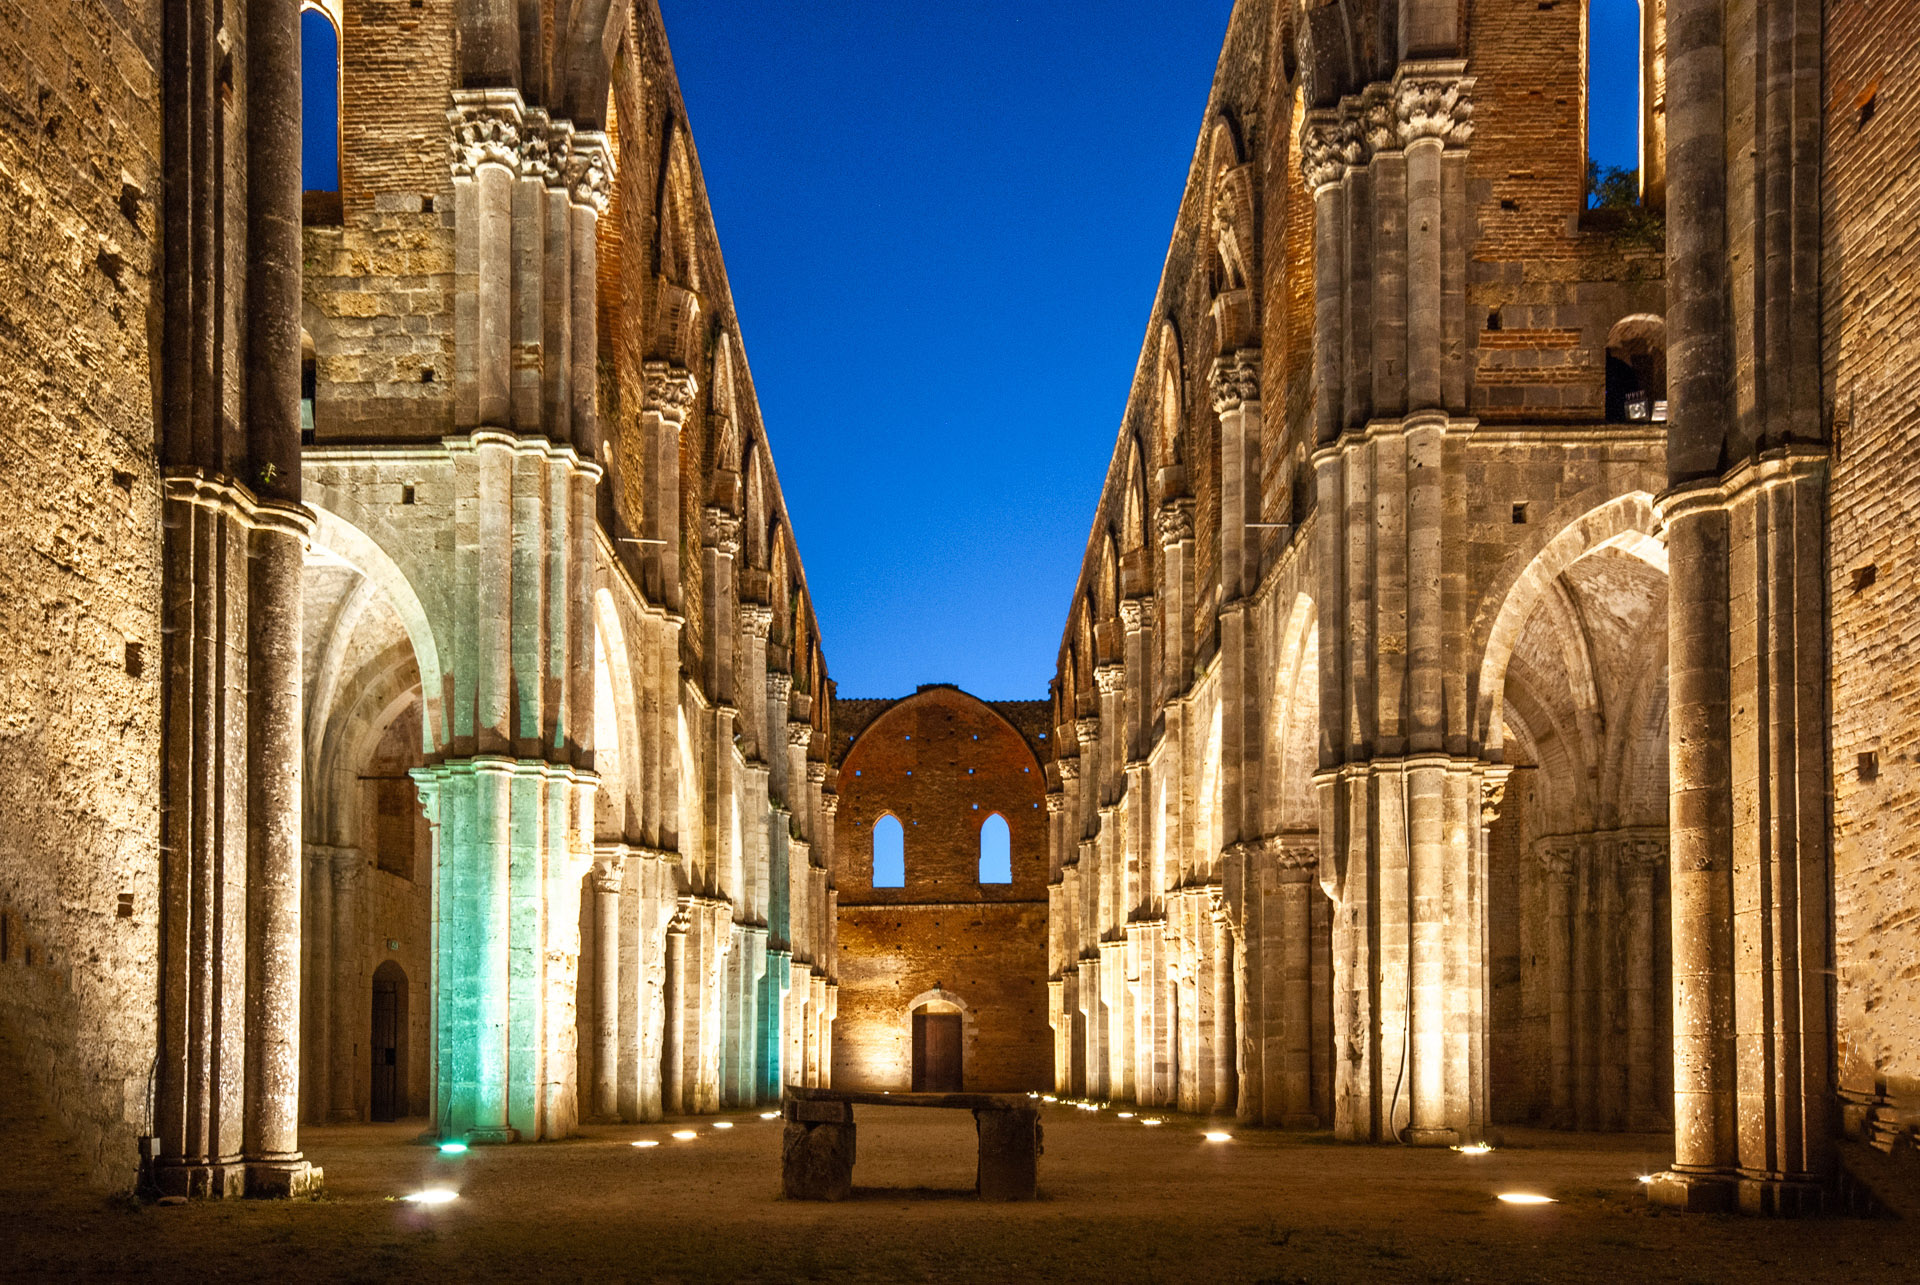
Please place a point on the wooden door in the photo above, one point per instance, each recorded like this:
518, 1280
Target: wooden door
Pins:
386, 1049
936, 1053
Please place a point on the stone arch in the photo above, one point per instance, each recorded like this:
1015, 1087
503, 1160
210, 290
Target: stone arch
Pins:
335, 537
1170, 431
1294, 736
1636, 371
617, 752
1627, 522
940, 1001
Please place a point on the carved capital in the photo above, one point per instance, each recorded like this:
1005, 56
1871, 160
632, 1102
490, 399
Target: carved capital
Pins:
485, 130
670, 391
1434, 102
1136, 614
1373, 119
1056, 802
1643, 856
779, 684
1110, 680
816, 772
1329, 143
543, 147
1069, 770
799, 735
1493, 791
609, 875
1087, 730
721, 533
1176, 522
1236, 381
756, 619
588, 171
829, 804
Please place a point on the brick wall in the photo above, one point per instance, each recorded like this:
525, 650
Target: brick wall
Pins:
942, 762
80, 182
1870, 263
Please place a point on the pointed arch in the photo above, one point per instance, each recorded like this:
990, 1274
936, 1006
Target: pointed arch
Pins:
889, 852
996, 850
1170, 424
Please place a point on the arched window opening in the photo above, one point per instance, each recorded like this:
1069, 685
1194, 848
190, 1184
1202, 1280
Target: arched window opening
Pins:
996, 851
1637, 371
889, 853
320, 115
1613, 104
309, 386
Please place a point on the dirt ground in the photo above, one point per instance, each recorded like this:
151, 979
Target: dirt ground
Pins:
1120, 1201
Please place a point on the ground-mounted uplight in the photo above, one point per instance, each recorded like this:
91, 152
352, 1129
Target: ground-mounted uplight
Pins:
1474, 1149
723, 1124
647, 1142
1152, 1120
453, 1148
1215, 1136
769, 1115
684, 1135
1646, 1180
432, 1196
1124, 1115
1526, 1198
1049, 1098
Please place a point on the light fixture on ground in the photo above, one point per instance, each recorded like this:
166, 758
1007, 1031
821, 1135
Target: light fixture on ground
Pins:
647, 1142
1152, 1120
1474, 1149
453, 1148
433, 1196
685, 1135
723, 1124
1214, 1135
1124, 1115
769, 1115
1526, 1198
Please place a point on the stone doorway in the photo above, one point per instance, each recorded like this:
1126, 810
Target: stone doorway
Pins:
389, 1043
936, 1053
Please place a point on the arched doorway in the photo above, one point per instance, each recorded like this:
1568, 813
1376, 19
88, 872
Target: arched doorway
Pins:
938, 1044
389, 1043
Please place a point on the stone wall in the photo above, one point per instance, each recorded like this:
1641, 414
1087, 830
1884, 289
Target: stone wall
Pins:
942, 762
1870, 261
80, 175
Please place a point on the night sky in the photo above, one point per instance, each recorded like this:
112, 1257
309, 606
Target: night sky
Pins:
943, 226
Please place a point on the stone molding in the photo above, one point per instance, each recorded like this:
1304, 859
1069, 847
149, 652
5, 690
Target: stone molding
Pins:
1282, 851
231, 500
1235, 381
721, 532
670, 391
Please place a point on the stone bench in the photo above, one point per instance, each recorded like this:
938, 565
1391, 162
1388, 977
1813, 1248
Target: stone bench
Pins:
816, 1151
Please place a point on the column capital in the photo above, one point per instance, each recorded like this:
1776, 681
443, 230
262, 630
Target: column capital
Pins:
1069, 770
1087, 730
816, 772
588, 170
486, 129
1176, 522
1109, 680
829, 804
670, 390
799, 735
1056, 802
1329, 143
1433, 100
1556, 859
756, 620
1493, 792
721, 532
1136, 613
1235, 381
609, 874
779, 683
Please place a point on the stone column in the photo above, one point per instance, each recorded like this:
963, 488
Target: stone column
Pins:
608, 878
487, 127
1646, 860
589, 179
669, 394
346, 877
1556, 861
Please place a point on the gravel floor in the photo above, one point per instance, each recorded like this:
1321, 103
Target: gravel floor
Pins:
1120, 1201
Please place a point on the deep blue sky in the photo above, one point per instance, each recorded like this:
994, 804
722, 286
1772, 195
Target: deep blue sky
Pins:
943, 225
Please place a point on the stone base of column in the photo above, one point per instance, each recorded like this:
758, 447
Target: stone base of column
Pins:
226, 1181
1694, 1193
1783, 1197
282, 1179
1432, 1137
491, 1137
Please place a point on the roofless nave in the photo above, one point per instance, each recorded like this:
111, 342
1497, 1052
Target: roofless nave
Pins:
420, 707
